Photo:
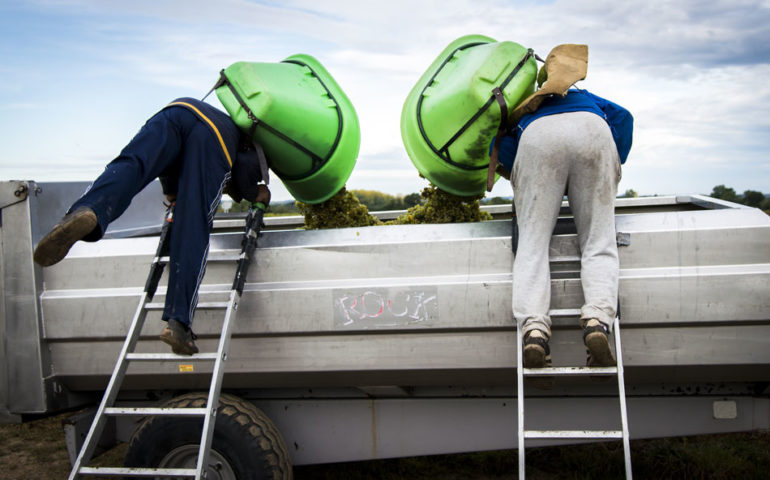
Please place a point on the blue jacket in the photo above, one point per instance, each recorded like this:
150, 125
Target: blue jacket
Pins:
620, 121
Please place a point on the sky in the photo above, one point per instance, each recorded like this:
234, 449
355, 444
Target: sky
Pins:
78, 78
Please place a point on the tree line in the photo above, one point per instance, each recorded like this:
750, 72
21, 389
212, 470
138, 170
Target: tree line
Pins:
376, 201
750, 198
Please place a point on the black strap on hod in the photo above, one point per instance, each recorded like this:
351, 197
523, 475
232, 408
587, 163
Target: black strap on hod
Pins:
443, 152
263, 168
498, 138
254, 120
262, 162
317, 161
219, 83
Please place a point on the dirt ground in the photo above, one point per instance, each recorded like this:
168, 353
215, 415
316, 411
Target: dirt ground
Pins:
35, 450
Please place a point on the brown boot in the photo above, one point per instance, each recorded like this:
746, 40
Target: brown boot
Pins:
180, 337
73, 227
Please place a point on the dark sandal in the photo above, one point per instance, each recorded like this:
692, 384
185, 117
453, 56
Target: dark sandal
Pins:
537, 354
598, 347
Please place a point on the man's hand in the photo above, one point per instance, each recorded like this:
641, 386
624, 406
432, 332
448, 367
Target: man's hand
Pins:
263, 194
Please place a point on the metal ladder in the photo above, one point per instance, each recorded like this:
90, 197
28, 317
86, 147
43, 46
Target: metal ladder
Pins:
524, 434
127, 355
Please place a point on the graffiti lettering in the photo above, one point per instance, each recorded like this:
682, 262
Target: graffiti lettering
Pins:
370, 308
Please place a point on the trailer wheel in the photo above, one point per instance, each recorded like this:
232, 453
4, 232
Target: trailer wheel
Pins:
246, 444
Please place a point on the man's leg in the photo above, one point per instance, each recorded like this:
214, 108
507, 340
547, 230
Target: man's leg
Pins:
149, 153
154, 149
592, 190
538, 182
202, 177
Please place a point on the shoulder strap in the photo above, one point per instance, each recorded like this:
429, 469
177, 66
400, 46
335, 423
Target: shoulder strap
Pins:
262, 162
498, 94
565, 65
223, 80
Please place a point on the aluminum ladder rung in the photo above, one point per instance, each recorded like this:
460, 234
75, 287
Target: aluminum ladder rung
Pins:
201, 306
151, 357
170, 412
565, 371
564, 312
213, 257
564, 258
138, 472
573, 434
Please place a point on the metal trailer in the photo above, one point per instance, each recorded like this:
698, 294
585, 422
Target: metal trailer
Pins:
390, 341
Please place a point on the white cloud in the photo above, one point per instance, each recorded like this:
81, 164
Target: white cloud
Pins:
691, 73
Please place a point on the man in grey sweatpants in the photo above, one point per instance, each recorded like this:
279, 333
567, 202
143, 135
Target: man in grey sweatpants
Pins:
572, 152
573, 144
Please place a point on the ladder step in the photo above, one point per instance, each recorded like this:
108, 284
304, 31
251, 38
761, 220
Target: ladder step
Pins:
138, 472
171, 412
564, 258
224, 257
213, 257
556, 371
149, 357
573, 434
201, 306
564, 312
213, 305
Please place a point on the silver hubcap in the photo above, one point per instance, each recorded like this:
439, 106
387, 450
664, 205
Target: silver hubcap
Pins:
186, 456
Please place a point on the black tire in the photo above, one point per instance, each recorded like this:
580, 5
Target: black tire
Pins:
246, 444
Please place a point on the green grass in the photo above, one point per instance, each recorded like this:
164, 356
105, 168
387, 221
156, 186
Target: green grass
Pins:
36, 450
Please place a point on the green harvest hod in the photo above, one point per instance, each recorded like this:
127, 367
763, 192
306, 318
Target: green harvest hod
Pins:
307, 126
451, 116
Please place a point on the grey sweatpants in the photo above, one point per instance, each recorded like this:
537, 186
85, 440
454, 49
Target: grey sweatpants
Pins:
574, 152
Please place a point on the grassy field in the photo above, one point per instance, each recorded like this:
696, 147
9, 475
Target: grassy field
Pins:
36, 451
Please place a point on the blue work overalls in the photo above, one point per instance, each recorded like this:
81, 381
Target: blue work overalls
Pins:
191, 146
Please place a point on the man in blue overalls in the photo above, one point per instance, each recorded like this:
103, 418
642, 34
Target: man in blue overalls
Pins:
198, 153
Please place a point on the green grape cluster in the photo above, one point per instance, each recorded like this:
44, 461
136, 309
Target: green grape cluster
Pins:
436, 206
439, 206
342, 210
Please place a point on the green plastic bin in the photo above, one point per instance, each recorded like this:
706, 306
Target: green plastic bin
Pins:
306, 124
451, 115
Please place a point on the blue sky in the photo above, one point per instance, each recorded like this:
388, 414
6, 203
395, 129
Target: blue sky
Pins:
79, 77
